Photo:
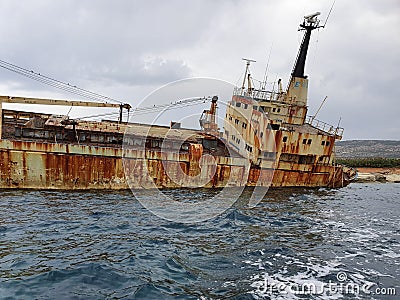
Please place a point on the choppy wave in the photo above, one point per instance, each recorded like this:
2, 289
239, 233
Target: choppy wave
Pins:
94, 245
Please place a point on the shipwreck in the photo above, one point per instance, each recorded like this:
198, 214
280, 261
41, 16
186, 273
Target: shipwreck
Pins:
267, 140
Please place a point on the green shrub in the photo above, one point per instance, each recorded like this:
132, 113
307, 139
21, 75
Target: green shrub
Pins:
370, 162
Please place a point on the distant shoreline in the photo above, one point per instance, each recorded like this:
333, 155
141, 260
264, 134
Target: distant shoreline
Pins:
378, 175
380, 151
375, 160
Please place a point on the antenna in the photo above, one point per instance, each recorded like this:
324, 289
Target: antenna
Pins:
248, 61
266, 69
273, 87
323, 26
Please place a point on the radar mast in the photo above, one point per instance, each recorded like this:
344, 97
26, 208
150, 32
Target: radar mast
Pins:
310, 23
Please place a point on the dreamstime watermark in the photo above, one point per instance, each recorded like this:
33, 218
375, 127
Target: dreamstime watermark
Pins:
342, 286
156, 158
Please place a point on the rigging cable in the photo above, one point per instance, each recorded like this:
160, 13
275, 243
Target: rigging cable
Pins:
329, 13
151, 109
56, 83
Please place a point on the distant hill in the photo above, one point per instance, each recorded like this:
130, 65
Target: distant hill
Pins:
367, 148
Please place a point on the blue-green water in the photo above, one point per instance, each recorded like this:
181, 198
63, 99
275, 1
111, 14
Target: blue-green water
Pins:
105, 245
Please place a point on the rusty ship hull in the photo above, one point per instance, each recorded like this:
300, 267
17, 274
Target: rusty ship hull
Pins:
41, 165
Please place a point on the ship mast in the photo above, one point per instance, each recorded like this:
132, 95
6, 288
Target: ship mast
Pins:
309, 24
247, 76
296, 93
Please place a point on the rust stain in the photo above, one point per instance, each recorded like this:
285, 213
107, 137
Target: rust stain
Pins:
75, 171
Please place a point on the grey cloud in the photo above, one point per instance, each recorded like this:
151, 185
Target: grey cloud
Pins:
126, 48
68, 39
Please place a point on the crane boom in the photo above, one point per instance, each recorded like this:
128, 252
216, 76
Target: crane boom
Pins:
23, 100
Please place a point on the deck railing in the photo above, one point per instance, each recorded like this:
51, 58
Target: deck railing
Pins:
337, 131
256, 94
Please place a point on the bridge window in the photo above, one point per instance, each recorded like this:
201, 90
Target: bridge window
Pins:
322, 143
249, 148
245, 106
255, 107
237, 104
327, 143
309, 141
236, 121
284, 139
275, 126
279, 110
304, 141
244, 125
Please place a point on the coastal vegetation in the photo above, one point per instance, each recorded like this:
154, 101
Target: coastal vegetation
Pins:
370, 162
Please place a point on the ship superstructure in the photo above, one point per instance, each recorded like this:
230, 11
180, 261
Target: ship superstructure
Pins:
303, 148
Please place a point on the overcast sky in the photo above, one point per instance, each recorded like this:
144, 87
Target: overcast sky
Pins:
126, 49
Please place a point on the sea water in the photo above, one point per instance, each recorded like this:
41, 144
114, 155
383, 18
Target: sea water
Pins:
295, 244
